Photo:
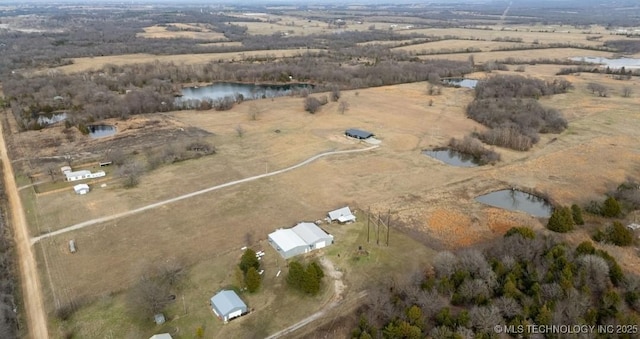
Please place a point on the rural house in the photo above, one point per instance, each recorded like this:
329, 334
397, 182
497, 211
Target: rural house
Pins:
80, 175
358, 133
302, 238
228, 305
342, 215
81, 189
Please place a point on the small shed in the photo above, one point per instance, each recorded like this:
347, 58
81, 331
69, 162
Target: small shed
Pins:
81, 189
227, 305
342, 215
65, 169
358, 133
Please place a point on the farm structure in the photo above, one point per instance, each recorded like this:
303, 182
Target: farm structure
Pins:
81, 189
161, 336
227, 305
358, 133
80, 175
300, 239
342, 215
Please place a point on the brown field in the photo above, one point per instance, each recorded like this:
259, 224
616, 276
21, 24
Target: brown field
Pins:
160, 32
522, 55
528, 34
94, 63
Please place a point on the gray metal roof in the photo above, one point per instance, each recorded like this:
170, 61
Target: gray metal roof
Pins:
358, 133
310, 233
287, 239
226, 301
340, 212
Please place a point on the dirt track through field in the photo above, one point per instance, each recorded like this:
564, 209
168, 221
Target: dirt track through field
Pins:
31, 292
190, 195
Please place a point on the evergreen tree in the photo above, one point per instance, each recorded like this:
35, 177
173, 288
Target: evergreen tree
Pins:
253, 280
525, 232
249, 259
577, 214
295, 278
611, 208
620, 235
561, 220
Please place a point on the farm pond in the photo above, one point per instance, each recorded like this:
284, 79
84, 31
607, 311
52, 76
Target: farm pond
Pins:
452, 157
514, 200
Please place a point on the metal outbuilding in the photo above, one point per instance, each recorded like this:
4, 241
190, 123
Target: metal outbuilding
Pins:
227, 305
81, 189
302, 238
342, 215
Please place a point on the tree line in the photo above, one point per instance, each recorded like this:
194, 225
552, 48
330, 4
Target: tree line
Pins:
121, 91
508, 105
525, 278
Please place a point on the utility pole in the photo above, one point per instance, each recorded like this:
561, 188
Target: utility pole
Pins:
368, 219
388, 225
378, 230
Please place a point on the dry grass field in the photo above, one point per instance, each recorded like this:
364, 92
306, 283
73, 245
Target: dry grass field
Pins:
189, 31
95, 63
426, 196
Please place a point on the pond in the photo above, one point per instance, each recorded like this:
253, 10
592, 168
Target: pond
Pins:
101, 131
248, 91
50, 119
461, 82
515, 200
452, 157
627, 63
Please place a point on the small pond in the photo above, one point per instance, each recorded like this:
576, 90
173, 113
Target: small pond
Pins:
452, 157
50, 119
515, 200
461, 82
101, 131
627, 63
248, 91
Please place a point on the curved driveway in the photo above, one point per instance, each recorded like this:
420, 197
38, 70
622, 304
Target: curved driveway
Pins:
192, 194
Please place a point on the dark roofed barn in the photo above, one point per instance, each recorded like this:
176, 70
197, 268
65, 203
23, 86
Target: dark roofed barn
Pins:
358, 133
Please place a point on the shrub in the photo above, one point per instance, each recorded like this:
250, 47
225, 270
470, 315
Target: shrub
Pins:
249, 260
525, 232
611, 208
619, 235
576, 212
312, 104
475, 148
561, 220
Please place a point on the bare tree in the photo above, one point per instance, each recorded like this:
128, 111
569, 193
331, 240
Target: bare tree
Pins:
343, 106
148, 297
335, 93
131, 173
312, 105
626, 92
52, 171
254, 112
598, 89
240, 131
445, 264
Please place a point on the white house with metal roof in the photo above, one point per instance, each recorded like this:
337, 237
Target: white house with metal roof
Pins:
302, 238
342, 215
227, 305
80, 175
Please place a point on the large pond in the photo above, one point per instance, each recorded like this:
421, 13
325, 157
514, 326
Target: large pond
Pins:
248, 91
453, 157
627, 63
461, 82
515, 200
101, 131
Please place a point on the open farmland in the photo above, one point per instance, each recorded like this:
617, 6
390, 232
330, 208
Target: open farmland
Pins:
431, 204
428, 198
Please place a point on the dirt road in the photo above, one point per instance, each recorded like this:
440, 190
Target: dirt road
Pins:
31, 292
192, 194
